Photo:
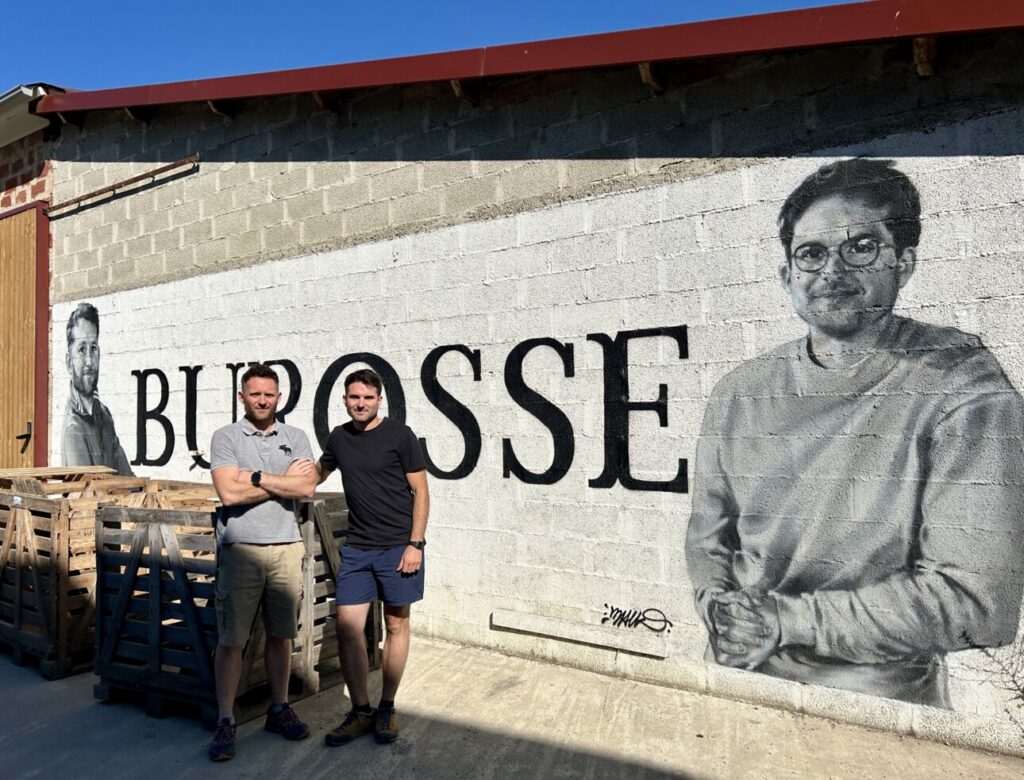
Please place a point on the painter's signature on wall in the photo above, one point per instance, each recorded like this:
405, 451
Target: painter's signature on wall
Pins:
651, 618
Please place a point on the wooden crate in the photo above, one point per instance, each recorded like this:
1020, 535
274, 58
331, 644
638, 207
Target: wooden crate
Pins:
156, 610
47, 561
176, 494
65, 474
331, 519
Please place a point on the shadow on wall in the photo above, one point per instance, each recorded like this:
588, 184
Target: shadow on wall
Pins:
794, 103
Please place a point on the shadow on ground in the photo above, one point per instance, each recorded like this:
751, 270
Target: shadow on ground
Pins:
57, 729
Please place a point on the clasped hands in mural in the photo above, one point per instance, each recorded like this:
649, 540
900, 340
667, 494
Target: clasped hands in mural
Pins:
746, 627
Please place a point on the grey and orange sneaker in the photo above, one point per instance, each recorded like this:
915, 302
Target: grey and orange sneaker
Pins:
355, 724
222, 748
386, 728
286, 723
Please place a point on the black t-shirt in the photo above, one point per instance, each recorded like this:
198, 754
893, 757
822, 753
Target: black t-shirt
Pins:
373, 466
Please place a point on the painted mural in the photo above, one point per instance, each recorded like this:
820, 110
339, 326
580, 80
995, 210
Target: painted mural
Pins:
859, 490
89, 436
769, 415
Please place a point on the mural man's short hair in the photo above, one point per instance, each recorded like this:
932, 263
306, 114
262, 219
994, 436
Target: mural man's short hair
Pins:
87, 312
259, 371
876, 183
368, 377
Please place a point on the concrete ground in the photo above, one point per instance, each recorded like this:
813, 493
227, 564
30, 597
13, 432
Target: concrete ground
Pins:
469, 713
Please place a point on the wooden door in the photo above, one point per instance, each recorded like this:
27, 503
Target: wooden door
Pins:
19, 244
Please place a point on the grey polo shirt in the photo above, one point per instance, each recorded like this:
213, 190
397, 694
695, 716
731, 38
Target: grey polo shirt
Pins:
274, 521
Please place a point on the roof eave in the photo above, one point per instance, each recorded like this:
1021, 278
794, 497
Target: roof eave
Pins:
849, 23
16, 121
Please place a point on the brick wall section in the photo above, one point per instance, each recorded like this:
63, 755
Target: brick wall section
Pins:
25, 172
284, 178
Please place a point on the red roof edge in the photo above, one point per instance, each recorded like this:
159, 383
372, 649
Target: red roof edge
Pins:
849, 23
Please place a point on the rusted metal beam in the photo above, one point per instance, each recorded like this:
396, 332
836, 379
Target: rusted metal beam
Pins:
653, 77
467, 89
74, 118
925, 53
139, 113
192, 159
335, 101
228, 109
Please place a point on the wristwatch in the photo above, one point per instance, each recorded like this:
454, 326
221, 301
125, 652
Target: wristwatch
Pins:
419, 545
256, 477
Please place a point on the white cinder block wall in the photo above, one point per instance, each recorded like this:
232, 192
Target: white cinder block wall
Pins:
308, 251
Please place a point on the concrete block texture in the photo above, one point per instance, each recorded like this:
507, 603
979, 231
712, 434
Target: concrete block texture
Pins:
583, 358
535, 527
547, 139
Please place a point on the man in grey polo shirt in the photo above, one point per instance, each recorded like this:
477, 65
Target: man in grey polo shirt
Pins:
260, 467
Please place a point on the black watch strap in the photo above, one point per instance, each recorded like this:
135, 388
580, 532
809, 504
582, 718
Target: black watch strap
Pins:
256, 478
419, 545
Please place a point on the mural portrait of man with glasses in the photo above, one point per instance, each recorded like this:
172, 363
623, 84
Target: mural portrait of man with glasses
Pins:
858, 503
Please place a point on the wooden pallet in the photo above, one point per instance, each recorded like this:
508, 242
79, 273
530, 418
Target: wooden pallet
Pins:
156, 611
160, 703
53, 472
47, 569
48, 561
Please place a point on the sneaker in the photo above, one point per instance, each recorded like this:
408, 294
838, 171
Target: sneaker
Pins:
222, 748
286, 723
355, 724
386, 728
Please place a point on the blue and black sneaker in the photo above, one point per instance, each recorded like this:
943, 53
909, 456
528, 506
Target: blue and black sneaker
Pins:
286, 723
222, 748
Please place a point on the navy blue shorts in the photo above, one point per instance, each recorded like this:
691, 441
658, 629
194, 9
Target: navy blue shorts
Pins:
368, 575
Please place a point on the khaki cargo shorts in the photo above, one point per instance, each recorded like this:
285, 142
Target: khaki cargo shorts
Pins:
251, 575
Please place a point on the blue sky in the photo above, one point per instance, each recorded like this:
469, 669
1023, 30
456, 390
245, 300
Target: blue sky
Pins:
94, 44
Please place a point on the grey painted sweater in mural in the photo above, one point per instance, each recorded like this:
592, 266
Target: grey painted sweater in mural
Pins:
89, 437
881, 505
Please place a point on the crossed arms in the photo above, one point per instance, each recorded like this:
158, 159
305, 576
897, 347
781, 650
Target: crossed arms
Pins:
234, 485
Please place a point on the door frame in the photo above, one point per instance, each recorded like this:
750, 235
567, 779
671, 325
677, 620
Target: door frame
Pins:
41, 391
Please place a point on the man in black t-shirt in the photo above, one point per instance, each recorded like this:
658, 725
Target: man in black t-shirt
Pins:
384, 476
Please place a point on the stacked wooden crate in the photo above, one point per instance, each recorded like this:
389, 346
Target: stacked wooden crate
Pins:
48, 562
156, 609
